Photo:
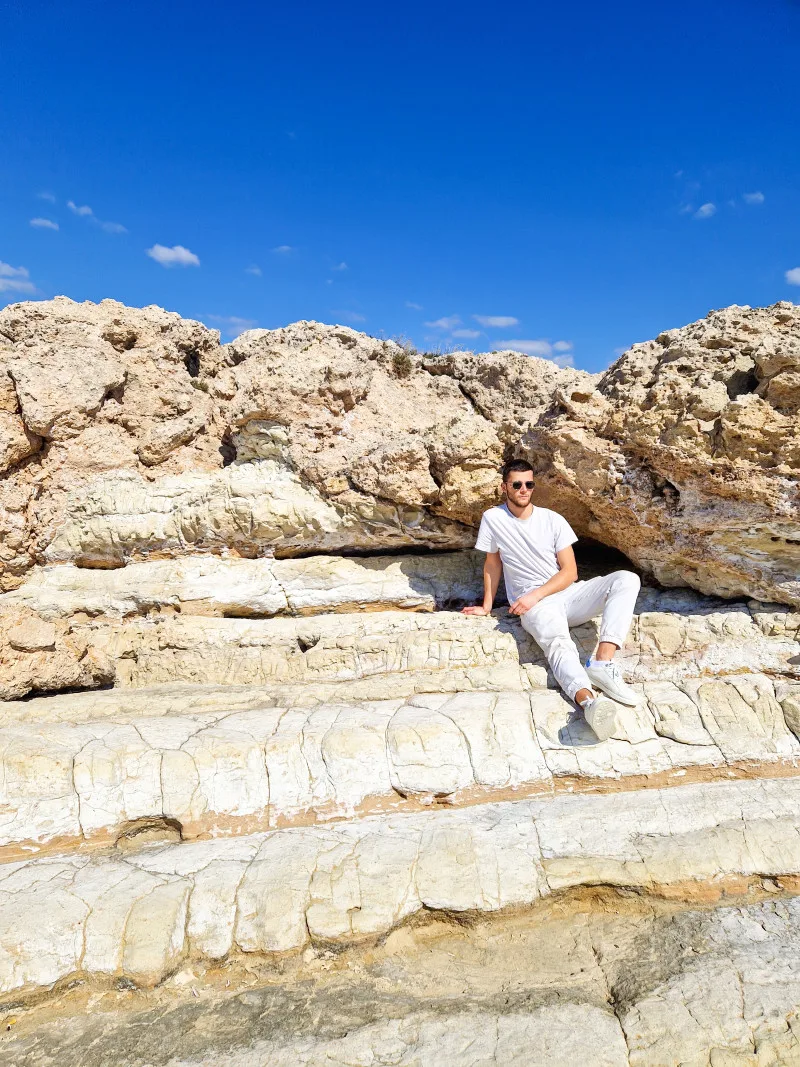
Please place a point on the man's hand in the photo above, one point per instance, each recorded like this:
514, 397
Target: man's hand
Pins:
477, 609
525, 603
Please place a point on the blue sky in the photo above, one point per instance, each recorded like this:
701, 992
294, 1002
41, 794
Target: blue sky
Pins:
568, 177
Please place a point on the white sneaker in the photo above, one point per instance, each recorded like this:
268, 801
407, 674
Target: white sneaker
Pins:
601, 715
607, 676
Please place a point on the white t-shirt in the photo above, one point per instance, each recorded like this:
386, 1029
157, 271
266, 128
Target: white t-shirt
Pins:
527, 547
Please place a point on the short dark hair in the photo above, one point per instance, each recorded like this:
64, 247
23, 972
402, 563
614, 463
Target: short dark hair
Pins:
515, 465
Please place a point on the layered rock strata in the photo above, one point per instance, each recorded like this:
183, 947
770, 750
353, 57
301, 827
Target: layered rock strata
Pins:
607, 978
138, 915
240, 758
131, 433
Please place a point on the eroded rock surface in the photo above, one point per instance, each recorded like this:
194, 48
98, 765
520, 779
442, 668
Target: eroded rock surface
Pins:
267, 797
132, 432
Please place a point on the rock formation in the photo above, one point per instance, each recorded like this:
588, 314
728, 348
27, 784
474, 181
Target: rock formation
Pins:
130, 434
267, 798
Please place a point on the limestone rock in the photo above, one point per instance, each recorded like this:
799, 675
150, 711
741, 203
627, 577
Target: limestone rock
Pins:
135, 914
684, 454
36, 654
210, 585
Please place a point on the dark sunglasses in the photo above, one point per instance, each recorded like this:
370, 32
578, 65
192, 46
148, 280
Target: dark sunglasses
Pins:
519, 485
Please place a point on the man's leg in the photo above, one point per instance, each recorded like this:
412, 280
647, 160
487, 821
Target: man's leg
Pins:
615, 596
548, 626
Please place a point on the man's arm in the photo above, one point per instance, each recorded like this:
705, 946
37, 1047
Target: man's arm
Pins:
567, 574
492, 568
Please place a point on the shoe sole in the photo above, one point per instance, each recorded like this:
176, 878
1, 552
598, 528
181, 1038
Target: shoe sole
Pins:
602, 718
613, 694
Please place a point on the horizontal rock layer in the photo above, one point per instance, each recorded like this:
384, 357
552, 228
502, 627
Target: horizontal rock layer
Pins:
208, 585
138, 915
603, 978
213, 766
73, 628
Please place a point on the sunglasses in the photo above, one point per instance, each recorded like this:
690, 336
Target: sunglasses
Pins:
519, 485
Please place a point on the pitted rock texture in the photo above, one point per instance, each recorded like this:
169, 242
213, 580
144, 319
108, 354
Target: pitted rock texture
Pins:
128, 433
686, 454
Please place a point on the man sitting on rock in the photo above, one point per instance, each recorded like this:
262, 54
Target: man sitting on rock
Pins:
532, 546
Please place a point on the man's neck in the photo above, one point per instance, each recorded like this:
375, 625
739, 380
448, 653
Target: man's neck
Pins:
520, 512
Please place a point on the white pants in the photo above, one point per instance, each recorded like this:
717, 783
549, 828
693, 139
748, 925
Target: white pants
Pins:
549, 621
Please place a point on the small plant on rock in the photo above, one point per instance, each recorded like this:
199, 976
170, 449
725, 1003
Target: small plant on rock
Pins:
402, 363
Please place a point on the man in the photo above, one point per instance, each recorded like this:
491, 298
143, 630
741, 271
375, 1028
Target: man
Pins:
532, 547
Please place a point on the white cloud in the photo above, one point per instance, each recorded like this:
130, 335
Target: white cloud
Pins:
15, 279
705, 211
177, 256
47, 196
447, 322
754, 198
283, 249
467, 334
496, 320
232, 325
253, 269
560, 352
793, 276
44, 224
350, 316
86, 212
538, 347
340, 266
413, 306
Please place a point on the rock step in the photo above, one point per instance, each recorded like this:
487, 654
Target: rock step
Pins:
137, 916
232, 767
409, 651
461, 651
212, 585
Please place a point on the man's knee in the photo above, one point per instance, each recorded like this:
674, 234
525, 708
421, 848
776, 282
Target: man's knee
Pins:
546, 625
627, 581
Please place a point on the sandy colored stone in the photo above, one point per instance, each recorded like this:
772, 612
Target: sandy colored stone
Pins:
600, 980
686, 454
32, 634
39, 654
227, 770
683, 454
210, 585
354, 879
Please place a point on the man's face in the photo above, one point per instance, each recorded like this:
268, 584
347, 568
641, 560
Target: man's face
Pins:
519, 487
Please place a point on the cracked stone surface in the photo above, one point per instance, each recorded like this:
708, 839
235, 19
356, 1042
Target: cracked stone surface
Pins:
136, 915
217, 767
209, 585
604, 978
674, 636
266, 797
